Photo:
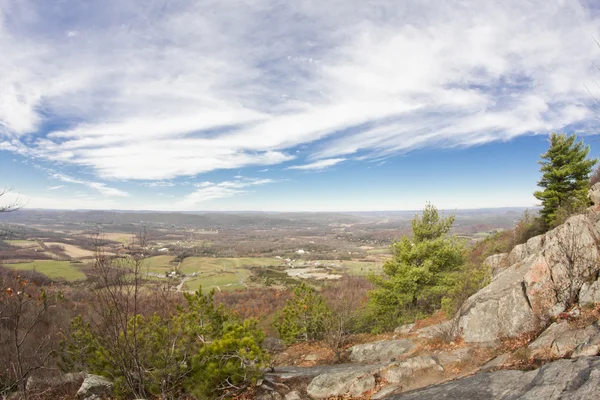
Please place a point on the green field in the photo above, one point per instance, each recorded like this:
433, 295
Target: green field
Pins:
356, 267
159, 264
210, 264
22, 243
52, 269
223, 281
221, 273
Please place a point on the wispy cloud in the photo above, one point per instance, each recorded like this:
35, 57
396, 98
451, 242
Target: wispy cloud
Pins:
100, 187
158, 91
159, 184
210, 190
319, 165
56, 187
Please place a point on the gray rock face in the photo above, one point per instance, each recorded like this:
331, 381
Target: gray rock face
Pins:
381, 351
496, 363
411, 369
445, 329
496, 263
340, 383
38, 384
560, 340
404, 329
463, 354
591, 347
294, 395
594, 193
562, 379
535, 285
589, 293
95, 387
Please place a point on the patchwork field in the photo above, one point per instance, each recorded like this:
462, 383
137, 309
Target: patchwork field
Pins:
52, 269
23, 243
71, 250
221, 273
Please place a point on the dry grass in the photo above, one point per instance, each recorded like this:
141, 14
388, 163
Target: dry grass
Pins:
71, 250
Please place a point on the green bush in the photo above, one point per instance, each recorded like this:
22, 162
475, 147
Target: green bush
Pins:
422, 271
228, 363
303, 317
194, 349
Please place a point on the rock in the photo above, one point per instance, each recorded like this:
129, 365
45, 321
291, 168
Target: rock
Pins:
35, 384
589, 293
404, 329
362, 385
386, 392
534, 287
269, 396
384, 350
496, 263
311, 357
590, 347
594, 194
411, 369
273, 345
94, 387
560, 340
496, 363
444, 329
562, 379
463, 354
294, 395
340, 383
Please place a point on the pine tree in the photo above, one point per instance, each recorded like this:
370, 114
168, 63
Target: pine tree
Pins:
565, 170
302, 319
421, 272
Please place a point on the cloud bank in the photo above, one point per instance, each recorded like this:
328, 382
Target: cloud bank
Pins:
154, 90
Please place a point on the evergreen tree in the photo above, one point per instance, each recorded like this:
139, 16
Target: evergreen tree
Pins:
421, 272
303, 317
565, 170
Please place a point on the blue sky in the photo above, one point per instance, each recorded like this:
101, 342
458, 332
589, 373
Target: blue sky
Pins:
289, 106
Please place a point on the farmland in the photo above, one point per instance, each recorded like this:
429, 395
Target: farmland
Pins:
56, 270
221, 251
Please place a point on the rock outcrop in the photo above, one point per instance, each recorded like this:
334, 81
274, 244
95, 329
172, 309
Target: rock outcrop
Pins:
95, 387
561, 340
562, 379
542, 276
381, 351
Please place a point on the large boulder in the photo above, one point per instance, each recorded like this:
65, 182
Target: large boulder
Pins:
594, 193
562, 379
589, 293
496, 263
65, 381
95, 387
353, 381
383, 350
412, 369
544, 275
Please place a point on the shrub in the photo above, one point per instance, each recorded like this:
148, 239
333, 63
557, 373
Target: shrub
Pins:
420, 274
303, 317
230, 363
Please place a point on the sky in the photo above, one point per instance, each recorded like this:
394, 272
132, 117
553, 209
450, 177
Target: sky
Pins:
329, 105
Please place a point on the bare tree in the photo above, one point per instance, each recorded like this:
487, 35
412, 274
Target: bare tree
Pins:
344, 299
13, 205
25, 329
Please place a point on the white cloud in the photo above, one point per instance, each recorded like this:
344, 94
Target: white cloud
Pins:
100, 187
159, 184
56, 187
318, 165
207, 191
156, 91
